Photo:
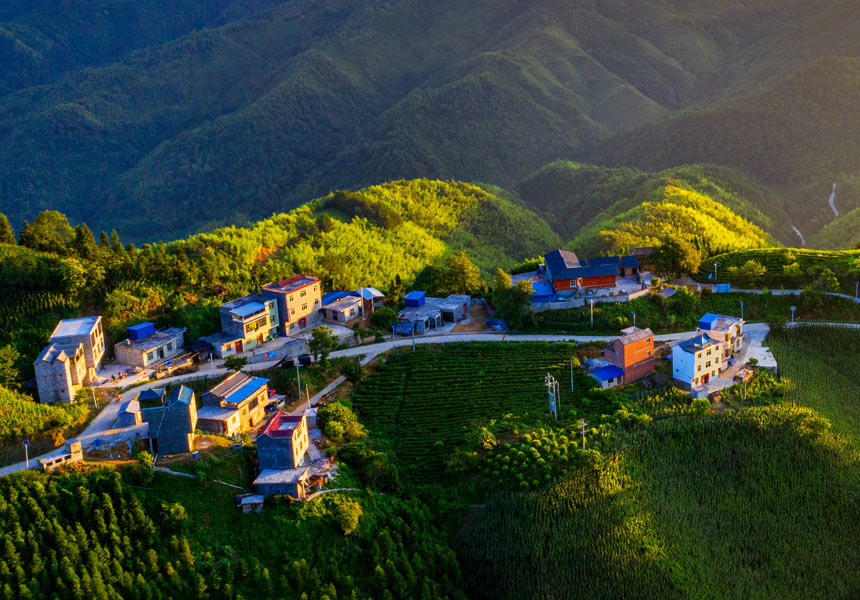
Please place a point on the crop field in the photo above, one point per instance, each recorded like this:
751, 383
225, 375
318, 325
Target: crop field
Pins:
425, 400
822, 364
21, 416
758, 503
841, 262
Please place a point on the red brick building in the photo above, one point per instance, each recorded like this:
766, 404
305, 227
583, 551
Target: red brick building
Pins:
633, 353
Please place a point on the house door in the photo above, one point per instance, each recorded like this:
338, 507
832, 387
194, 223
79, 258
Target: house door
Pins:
260, 339
706, 377
239, 346
303, 322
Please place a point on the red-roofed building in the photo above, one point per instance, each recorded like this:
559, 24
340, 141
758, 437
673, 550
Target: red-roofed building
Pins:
299, 299
283, 442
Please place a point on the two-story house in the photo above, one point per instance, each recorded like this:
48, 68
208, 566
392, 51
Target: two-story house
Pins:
145, 346
246, 323
696, 361
281, 449
633, 353
299, 299
61, 371
88, 332
235, 405
172, 422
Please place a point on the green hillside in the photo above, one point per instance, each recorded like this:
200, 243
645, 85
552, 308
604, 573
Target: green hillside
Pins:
797, 133
751, 504
580, 201
371, 237
165, 120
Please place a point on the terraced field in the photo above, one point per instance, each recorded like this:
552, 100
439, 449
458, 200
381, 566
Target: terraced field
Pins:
426, 400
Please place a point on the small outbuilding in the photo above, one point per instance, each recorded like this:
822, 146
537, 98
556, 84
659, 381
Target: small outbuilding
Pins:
129, 414
608, 377
272, 482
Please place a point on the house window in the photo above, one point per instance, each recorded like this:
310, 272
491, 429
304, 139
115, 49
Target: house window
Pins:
304, 306
333, 316
170, 346
292, 311
150, 355
699, 368
351, 311
709, 352
303, 293
316, 302
708, 365
291, 298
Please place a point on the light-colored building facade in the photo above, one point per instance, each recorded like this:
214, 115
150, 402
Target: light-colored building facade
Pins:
343, 310
726, 330
696, 361
152, 349
87, 331
61, 371
235, 405
246, 323
299, 299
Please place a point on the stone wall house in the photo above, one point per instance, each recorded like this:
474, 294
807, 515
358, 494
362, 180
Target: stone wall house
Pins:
61, 371
172, 424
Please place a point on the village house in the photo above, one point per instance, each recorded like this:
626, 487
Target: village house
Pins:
299, 299
568, 275
235, 405
74, 454
88, 332
423, 312
61, 371
696, 361
145, 346
281, 449
726, 330
342, 310
607, 376
129, 414
246, 323
171, 423
633, 353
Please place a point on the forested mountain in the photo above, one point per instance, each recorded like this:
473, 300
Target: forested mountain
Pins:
163, 120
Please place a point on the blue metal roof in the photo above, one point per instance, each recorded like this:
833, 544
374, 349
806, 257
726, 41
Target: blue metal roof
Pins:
248, 309
630, 262
697, 343
415, 295
707, 320
250, 387
606, 373
559, 260
598, 271
604, 260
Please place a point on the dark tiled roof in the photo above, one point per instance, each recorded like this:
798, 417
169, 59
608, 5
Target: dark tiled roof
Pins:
559, 260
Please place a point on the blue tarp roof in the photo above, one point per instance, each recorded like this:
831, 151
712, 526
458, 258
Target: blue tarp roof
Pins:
248, 309
415, 295
697, 343
252, 385
140, 326
606, 373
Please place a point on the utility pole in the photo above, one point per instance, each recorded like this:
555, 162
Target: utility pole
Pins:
793, 308
392, 333
715, 271
742, 310
634, 319
93, 392
552, 390
583, 427
27, 453
591, 300
571, 374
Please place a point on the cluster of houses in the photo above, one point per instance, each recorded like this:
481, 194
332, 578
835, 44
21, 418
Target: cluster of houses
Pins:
423, 312
697, 363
